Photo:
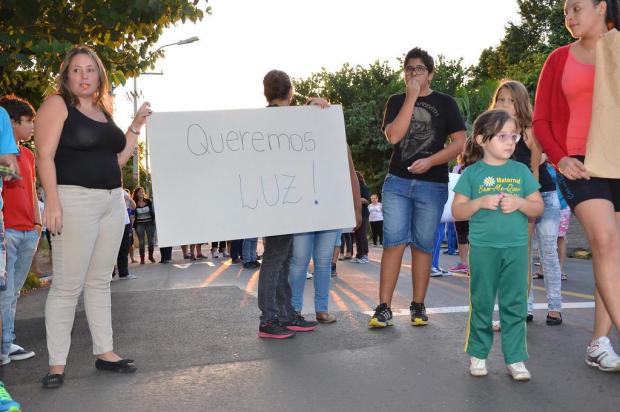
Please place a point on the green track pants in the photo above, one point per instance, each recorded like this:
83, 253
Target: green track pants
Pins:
502, 273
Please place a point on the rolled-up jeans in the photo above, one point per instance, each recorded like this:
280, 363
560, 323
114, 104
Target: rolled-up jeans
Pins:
547, 227
320, 247
20, 249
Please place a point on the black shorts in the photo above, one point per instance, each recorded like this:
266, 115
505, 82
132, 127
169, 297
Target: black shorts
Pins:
580, 190
462, 232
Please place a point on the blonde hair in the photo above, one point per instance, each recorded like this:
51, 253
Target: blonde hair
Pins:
521, 99
101, 97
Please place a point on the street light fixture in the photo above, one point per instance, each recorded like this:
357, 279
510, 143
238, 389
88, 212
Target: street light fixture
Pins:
136, 158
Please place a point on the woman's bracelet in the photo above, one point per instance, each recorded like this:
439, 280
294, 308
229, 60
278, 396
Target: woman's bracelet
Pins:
134, 131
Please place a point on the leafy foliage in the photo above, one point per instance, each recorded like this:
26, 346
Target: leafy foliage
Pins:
363, 91
35, 35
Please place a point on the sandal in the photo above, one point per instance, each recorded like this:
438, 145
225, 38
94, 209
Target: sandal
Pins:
325, 317
121, 366
53, 381
554, 321
563, 276
186, 257
538, 275
201, 256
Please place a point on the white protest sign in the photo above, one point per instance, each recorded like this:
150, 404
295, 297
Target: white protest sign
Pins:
446, 216
235, 174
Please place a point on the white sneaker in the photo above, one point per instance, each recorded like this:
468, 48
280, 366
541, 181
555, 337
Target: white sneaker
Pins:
309, 275
215, 254
496, 326
436, 272
4, 359
600, 354
519, 372
18, 353
477, 367
128, 277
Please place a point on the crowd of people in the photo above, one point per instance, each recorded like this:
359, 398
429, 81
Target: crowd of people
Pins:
521, 173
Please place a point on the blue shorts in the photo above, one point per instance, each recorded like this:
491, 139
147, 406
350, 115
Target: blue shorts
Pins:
411, 212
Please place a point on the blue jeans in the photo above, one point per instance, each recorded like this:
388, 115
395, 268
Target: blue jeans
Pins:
2, 249
20, 249
452, 240
248, 250
547, 227
441, 229
319, 246
411, 212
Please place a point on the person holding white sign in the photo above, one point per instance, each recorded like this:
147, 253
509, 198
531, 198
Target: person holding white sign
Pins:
417, 124
279, 319
81, 152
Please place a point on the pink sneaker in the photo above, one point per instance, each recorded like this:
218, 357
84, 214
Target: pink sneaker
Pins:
460, 268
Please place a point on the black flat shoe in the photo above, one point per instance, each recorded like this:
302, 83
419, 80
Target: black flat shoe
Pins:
529, 318
553, 321
53, 381
121, 366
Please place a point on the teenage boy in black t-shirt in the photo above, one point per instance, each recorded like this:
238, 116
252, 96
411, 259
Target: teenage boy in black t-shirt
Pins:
418, 124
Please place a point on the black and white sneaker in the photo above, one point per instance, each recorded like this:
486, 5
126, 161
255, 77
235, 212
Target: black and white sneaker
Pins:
18, 353
382, 317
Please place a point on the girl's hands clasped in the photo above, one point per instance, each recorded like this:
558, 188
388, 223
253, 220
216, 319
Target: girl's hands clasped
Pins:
490, 202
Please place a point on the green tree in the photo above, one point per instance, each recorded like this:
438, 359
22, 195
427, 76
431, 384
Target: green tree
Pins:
525, 45
362, 92
35, 35
449, 75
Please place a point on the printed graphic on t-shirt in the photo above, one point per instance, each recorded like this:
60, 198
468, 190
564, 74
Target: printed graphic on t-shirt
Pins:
434, 118
508, 185
420, 136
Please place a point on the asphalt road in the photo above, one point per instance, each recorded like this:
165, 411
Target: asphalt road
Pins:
191, 327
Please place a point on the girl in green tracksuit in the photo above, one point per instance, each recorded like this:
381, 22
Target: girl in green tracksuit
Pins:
497, 195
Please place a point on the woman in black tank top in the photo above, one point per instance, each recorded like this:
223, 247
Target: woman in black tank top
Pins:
81, 152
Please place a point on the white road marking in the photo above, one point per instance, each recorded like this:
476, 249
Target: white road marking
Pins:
465, 309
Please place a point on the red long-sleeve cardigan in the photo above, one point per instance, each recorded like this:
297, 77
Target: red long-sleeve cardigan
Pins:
551, 111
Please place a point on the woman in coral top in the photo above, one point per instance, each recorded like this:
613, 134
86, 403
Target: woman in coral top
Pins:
561, 122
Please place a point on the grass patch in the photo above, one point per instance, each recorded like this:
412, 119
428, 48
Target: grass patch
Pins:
32, 282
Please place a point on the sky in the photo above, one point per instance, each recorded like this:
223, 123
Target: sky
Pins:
243, 39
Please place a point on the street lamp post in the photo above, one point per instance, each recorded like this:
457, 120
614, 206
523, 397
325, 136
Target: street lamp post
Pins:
136, 156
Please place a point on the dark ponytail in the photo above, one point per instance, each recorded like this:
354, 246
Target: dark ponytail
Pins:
472, 152
612, 17
613, 13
